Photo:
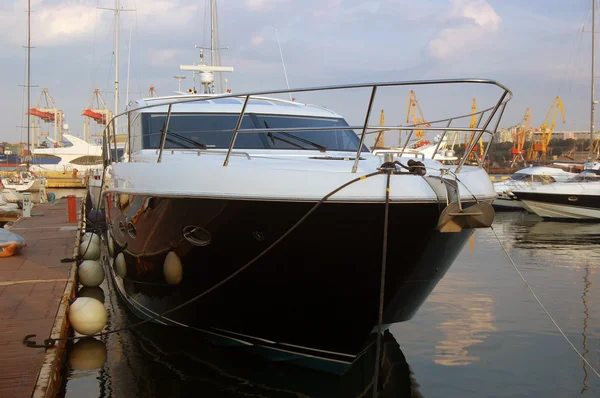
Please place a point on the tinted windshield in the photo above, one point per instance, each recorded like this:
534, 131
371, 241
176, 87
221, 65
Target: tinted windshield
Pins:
587, 175
201, 130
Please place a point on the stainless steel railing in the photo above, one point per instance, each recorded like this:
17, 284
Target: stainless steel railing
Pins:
486, 117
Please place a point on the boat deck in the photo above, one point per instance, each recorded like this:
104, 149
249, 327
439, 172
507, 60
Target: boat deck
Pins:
32, 284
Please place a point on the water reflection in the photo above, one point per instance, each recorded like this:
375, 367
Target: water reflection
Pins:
152, 363
158, 361
469, 319
570, 244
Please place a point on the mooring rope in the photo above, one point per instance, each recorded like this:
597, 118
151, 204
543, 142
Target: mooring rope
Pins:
382, 283
542, 305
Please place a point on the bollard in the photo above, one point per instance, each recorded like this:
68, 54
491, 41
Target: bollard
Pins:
72, 208
26, 204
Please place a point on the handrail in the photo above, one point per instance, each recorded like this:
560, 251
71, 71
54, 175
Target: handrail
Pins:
235, 133
363, 135
500, 105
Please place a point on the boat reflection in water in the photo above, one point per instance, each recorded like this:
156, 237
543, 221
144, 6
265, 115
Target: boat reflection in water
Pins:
469, 321
150, 363
567, 244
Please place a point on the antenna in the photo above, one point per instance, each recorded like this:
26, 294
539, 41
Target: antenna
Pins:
179, 79
283, 63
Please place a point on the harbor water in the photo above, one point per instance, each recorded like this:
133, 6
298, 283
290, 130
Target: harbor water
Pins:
481, 333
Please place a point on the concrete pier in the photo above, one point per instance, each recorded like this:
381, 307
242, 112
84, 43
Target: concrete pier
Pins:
34, 288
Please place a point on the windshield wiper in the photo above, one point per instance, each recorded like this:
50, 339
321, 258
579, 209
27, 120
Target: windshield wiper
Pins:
321, 148
184, 138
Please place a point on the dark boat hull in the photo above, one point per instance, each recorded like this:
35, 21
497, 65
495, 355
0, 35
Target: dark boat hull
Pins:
319, 283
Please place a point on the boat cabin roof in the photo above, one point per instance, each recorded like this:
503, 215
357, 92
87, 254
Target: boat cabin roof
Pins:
218, 104
542, 170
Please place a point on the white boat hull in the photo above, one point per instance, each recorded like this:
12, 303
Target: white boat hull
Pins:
561, 211
29, 186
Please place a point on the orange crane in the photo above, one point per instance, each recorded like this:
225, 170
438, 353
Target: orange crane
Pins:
380, 140
47, 112
97, 111
471, 136
538, 151
414, 110
519, 138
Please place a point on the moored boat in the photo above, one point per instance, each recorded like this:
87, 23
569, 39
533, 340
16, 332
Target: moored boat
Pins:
535, 175
575, 199
265, 218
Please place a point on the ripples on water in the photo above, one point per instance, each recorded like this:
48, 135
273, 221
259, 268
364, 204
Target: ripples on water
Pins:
480, 334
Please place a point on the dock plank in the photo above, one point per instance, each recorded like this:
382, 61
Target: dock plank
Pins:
31, 287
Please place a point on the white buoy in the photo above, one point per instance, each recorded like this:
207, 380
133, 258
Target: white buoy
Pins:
89, 250
92, 292
91, 273
123, 199
121, 265
91, 236
87, 354
110, 244
87, 316
172, 269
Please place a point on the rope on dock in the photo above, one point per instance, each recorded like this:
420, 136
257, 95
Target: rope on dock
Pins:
541, 305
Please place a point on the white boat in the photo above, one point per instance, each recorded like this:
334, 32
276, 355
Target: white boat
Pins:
211, 181
23, 181
576, 199
535, 175
71, 155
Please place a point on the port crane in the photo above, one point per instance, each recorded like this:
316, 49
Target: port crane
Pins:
97, 111
523, 130
46, 111
151, 93
413, 111
538, 151
469, 139
380, 140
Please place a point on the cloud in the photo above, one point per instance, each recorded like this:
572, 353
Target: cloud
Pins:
168, 56
257, 40
69, 23
476, 21
261, 4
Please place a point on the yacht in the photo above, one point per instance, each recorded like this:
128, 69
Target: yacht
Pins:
534, 175
259, 221
71, 155
575, 199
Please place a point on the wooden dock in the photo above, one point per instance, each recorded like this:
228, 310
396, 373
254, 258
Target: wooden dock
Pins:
32, 287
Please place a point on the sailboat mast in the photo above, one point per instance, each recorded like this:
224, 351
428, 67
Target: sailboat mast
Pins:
590, 155
28, 81
116, 58
212, 33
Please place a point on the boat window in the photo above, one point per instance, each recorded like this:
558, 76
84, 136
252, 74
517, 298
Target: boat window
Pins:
202, 130
333, 140
45, 159
587, 175
519, 177
87, 160
195, 131
542, 178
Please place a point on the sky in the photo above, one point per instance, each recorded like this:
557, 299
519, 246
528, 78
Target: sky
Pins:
537, 48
